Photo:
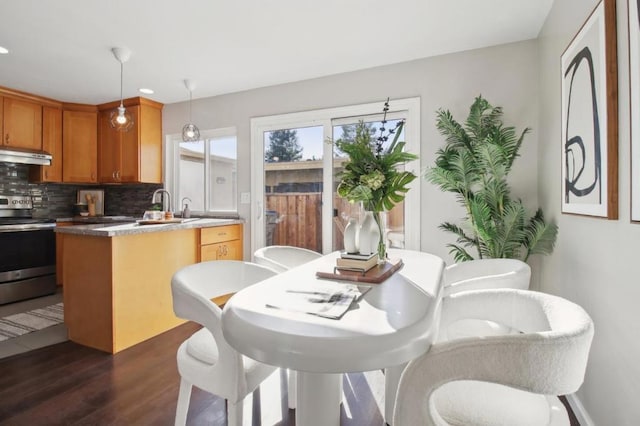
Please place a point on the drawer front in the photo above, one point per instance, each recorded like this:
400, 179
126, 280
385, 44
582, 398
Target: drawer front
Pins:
219, 234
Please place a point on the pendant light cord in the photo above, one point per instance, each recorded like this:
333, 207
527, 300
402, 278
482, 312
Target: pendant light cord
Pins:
121, 80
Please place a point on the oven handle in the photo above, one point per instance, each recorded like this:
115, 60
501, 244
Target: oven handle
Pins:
27, 227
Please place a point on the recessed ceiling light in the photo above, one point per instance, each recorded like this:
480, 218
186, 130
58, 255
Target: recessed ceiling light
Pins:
3, 50
146, 91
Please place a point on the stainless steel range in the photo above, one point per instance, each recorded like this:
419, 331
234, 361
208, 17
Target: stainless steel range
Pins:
27, 251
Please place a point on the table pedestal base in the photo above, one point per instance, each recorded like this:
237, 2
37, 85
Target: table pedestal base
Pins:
318, 399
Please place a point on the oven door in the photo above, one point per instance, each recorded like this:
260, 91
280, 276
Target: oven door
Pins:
27, 262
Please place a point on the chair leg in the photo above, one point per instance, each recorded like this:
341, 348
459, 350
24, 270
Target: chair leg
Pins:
291, 389
234, 413
184, 396
391, 382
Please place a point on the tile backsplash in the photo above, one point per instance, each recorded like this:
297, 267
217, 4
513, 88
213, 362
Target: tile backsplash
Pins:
53, 200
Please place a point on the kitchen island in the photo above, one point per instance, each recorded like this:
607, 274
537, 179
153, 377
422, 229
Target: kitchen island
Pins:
117, 278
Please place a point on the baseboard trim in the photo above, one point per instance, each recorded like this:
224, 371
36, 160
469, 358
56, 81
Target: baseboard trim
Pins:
579, 410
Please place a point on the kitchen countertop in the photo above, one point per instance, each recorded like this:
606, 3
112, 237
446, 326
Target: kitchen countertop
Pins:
96, 219
132, 228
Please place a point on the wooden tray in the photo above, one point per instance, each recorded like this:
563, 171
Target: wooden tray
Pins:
375, 275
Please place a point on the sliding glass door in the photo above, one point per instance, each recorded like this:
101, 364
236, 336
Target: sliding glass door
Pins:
296, 172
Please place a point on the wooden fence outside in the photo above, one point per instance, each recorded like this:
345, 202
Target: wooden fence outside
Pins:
295, 219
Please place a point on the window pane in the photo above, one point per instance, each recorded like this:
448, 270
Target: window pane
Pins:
191, 174
223, 187
293, 187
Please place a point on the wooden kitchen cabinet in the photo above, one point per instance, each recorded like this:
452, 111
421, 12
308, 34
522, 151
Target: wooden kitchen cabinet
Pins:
51, 143
134, 156
80, 145
22, 124
221, 243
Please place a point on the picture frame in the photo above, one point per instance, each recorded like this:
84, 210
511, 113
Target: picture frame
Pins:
589, 117
634, 96
98, 193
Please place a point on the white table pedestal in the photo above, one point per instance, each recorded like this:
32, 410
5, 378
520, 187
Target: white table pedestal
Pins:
318, 399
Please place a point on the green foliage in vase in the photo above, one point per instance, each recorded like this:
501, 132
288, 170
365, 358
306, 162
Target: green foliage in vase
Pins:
372, 174
474, 165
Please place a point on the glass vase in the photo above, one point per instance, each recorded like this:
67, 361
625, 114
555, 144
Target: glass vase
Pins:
381, 222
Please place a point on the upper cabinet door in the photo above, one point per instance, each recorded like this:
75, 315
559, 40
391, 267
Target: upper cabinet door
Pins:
108, 149
80, 146
129, 170
22, 124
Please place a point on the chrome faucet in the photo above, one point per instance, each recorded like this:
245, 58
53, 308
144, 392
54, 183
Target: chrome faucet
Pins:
155, 196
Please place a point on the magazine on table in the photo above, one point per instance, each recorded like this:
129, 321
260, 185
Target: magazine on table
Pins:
324, 299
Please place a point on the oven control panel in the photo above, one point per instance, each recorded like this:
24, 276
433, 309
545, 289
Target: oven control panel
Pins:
15, 202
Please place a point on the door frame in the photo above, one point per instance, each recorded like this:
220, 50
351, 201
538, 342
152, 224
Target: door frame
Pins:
323, 117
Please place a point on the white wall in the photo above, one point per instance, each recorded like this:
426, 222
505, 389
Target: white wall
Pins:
506, 75
595, 263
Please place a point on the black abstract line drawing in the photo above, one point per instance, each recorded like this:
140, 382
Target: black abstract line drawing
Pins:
576, 156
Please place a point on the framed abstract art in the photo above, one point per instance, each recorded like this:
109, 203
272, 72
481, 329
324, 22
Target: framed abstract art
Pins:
634, 88
590, 117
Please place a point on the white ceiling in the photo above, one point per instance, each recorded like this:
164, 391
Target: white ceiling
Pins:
62, 49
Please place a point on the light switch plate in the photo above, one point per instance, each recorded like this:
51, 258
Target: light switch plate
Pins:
245, 197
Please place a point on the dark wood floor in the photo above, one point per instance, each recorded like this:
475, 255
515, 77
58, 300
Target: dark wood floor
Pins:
68, 384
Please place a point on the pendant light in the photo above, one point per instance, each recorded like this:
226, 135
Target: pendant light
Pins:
121, 119
190, 132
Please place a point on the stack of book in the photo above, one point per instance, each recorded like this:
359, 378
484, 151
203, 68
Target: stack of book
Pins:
356, 261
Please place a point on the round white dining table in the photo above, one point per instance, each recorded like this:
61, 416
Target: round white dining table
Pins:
393, 323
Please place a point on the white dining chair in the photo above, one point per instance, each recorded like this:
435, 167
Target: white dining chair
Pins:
281, 259
205, 359
499, 380
482, 274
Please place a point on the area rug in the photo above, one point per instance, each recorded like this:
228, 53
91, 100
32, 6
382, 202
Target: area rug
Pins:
27, 322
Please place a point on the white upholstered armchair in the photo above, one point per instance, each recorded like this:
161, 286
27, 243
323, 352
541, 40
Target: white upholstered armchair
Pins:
503, 379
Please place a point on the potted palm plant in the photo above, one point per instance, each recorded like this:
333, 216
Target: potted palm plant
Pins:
474, 165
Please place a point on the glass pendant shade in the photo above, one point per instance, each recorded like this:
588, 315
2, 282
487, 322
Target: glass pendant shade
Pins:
190, 132
121, 119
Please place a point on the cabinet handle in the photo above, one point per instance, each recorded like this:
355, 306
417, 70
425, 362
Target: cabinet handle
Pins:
7, 138
221, 234
226, 250
118, 174
46, 174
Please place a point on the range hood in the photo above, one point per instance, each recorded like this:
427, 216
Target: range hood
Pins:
24, 156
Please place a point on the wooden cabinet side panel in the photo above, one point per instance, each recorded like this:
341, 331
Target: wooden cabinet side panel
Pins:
22, 124
143, 266
1, 119
150, 144
87, 290
80, 146
60, 252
